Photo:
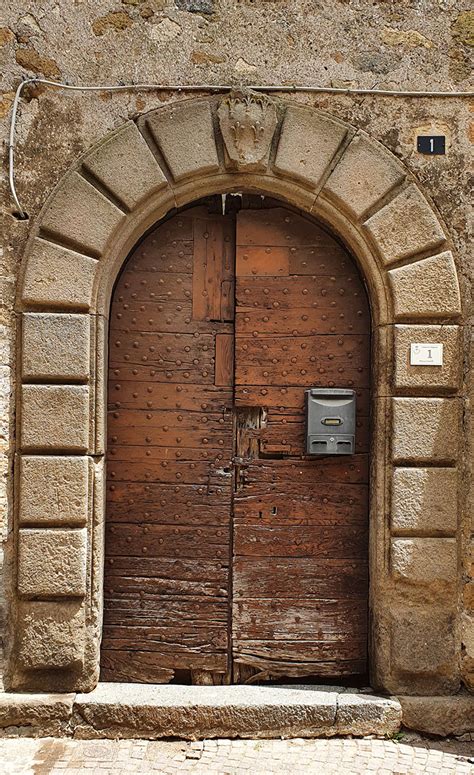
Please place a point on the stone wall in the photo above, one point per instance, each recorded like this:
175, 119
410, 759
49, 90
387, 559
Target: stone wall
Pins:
406, 46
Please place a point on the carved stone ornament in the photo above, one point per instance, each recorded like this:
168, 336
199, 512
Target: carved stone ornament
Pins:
247, 121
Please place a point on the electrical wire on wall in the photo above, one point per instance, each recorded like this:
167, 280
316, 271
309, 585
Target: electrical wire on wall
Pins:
21, 213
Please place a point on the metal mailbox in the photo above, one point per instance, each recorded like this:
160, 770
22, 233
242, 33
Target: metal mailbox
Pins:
330, 421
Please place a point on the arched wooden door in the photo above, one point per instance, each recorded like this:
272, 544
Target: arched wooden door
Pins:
230, 553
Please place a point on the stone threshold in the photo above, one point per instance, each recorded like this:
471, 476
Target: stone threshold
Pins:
153, 711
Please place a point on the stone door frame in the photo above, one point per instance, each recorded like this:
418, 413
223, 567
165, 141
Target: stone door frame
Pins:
123, 185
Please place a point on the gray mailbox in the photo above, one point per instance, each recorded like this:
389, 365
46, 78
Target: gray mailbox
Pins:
330, 421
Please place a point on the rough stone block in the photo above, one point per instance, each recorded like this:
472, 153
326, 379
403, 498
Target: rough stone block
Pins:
56, 346
50, 635
79, 214
54, 490
359, 714
423, 649
40, 711
445, 377
405, 226
364, 174
439, 715
425, 429
427, 288
184, 134
55, 417
424, 560
58, 278
307, 145
52, 562
126, 166
424, 500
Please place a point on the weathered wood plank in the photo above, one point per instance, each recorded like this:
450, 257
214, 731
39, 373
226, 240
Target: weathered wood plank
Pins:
260, 261
325, 504
129, 393
224, 363
282, 619
309, 291
131, 539
291, 397
299, 578
343, 542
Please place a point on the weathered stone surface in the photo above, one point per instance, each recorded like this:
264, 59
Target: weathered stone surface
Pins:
54, 490
80, 215
425, 429
308, 142
52, 562
445, 377
364, 174
126, 166
34, 710
439, 715
424, 500
58, 278
55, 417
427, 288
185, 135
247, 122
56, 346
194, 712
50, 635
424, 560
405, 226
423, 650
359, 714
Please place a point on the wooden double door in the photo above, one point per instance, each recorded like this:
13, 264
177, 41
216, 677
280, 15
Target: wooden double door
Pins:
230, 555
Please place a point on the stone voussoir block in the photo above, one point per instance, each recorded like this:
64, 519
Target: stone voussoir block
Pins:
307, 145
50, 634
52, 562
424, 500
81, 215
54, 490
427, 288
363, 175
184, 133
425, 430
445, 377
405, 226
55, 417
424, 560
126, 166
56, 346
57, 278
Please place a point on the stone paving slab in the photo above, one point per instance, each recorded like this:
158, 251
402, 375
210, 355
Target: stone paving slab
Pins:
412, 755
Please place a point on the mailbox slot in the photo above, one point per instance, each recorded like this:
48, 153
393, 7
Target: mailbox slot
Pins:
330, 421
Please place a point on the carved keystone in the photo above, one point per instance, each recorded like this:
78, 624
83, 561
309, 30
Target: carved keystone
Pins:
247, 121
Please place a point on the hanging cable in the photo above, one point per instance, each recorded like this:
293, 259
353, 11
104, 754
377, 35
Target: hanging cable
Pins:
190, 88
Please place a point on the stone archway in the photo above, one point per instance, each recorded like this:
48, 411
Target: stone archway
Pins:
115, 192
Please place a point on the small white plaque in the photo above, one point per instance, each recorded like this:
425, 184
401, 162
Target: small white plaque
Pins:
426, 354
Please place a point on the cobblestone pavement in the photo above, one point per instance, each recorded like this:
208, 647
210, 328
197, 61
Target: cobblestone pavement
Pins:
409, 756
